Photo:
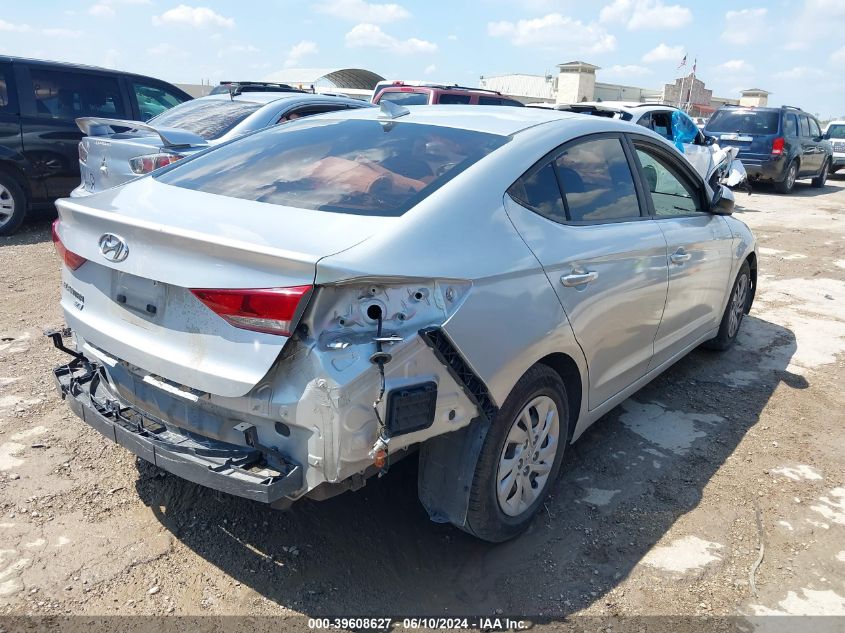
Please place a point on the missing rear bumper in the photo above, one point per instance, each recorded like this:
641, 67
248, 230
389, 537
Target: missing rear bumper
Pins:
242, 471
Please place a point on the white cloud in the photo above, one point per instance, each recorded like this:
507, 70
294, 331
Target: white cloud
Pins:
371, 36
197, 17
430, 69
101, 10
452, 37
838, 56
360, 11
555, 32
236, 49
745, 26
14, 28
63, 33
664, 53
646, 14
801, 72
166, 50
736, 66
300, 50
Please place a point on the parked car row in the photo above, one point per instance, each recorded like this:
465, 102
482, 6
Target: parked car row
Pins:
39, 104
288, 313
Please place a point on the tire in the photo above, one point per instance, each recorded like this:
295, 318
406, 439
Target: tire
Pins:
13, 204
788, 183
734, 311
821, 179
495, 520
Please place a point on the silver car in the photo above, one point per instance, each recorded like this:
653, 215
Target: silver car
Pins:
115, 151
293, 312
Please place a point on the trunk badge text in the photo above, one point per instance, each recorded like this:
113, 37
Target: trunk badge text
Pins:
113, 248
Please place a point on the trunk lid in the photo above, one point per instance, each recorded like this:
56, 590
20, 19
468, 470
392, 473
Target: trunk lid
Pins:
110, 144
178, 239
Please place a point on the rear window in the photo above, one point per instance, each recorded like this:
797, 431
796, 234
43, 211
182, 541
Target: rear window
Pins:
405, 98
356, 166
210, 119
744, 121
448, 98
836, 130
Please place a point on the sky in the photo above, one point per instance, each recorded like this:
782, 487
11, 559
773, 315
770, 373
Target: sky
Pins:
793, 48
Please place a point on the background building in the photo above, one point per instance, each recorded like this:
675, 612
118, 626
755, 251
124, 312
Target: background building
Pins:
576, 82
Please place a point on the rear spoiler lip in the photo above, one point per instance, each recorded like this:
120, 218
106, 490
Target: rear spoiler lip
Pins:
170, 137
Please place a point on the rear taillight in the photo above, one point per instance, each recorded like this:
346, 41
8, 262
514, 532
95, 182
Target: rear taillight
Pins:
269, 310
145, 164
71, 259
83, 152
777, 146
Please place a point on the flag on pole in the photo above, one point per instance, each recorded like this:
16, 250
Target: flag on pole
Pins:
694, 64
683, 62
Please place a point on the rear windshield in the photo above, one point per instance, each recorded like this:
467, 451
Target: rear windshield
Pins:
837, 130
405, 98
210, 119
363, 167
744, 121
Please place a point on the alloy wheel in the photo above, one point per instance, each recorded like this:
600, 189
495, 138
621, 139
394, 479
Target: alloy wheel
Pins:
791, 175
7, 205
528, 456
738, 301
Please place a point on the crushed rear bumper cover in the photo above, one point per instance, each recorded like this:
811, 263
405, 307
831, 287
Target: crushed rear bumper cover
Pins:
238, 470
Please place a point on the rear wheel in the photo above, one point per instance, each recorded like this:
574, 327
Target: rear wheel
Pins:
13, 204
734, 311
520, 458
788, 183
818, 181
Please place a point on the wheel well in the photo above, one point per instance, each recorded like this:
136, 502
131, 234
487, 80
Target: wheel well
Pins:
18, 175
568, 372
752, 266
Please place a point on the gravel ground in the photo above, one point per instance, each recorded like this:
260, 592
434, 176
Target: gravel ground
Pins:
662, 508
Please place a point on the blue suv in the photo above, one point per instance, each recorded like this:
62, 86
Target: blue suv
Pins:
778, 145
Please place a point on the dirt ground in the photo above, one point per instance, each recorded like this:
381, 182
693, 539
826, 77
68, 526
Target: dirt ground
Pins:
655, 513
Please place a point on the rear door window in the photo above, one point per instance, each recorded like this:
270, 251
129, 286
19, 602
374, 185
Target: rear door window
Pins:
453, 99
499, 101
805, 125
405, 98
790, 125
597, 182
8, 102
153, 99
211, 118
68, 95
358, 166
744, 121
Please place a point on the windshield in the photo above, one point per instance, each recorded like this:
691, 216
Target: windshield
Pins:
836, 130
355, 166
405, 98
744, 121
210, 119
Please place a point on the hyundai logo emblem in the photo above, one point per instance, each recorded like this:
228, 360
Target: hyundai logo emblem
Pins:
113, 248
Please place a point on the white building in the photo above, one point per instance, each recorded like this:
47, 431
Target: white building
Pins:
576, 81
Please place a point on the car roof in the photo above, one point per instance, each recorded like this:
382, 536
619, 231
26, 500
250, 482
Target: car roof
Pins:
501, 120
626, 106
73, 66
270, 97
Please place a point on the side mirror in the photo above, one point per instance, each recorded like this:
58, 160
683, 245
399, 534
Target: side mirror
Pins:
826, 136
709, 140
723, 201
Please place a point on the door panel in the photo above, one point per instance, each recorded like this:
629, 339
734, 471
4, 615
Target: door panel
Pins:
616, 315
580, 213
811, 160
699, 252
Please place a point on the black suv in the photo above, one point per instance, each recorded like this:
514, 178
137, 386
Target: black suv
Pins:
39, 102
779, 145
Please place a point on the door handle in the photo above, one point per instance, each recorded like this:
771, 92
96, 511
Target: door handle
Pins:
679, 257
579, 278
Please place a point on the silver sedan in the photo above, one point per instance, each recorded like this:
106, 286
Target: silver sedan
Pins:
293, 312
